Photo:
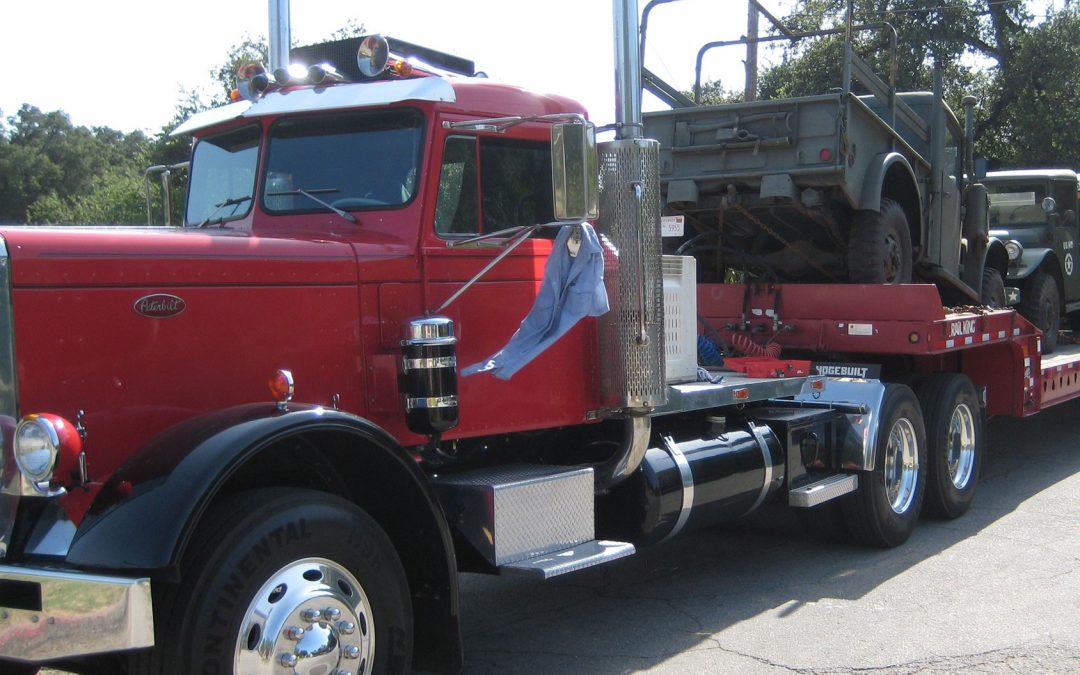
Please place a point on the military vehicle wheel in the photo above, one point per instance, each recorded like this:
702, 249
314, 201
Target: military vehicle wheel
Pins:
884, 510
879, 246
288, 580
992, 293
954, 436
1041, 305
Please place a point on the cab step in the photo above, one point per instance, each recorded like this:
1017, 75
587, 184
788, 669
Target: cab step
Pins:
823, 490
570, 560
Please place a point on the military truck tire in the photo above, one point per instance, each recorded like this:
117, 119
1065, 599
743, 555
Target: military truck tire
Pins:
954, 443
288, 579
1041, 305
992, 292
879, 246
884, 510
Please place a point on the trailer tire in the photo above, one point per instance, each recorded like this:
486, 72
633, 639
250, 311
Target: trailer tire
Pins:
263, 559
879, 246
884, 510
955, 441
1040, 304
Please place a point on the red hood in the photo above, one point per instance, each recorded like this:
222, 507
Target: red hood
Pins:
123, 256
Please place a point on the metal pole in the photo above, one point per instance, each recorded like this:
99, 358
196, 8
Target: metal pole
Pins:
627, 70
280, 34
750, 92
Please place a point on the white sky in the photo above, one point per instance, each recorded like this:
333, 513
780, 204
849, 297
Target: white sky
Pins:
122, 63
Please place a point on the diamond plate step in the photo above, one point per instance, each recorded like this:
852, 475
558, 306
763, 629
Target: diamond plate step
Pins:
570, 560
823, 490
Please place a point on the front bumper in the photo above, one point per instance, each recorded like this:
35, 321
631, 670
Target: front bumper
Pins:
52, 614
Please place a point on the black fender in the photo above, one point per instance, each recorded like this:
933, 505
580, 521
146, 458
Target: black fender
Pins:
149, 509
1031, 260
997, 257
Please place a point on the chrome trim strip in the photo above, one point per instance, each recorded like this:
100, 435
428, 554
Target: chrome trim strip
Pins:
431, 363
12, 484
80, 614
432, 402
687, 475
767, 481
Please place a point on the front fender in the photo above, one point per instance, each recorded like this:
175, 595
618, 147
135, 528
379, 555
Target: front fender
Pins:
1031, 260
145, 514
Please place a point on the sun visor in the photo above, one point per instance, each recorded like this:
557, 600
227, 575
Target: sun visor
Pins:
336, 97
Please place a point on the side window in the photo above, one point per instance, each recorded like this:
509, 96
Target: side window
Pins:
515, 180
455, 210
488, 184
952, 156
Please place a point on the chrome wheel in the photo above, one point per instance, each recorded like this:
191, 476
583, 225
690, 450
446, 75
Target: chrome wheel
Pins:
960, 452
311, 617
901, 465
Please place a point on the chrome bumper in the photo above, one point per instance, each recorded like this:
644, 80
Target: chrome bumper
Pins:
47, 614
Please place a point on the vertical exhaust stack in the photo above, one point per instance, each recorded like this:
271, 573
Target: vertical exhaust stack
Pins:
632, 373
280, 34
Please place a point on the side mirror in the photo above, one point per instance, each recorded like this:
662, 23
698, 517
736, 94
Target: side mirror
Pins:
574, 173
980, 168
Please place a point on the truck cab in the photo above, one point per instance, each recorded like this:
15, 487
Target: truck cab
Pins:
1035, 211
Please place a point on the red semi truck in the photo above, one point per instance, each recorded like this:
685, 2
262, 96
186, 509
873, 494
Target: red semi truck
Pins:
359, 244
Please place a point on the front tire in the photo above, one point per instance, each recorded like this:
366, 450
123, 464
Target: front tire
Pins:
1041, 305
279, 580
884, 510
954, 434
992, 292
879, 246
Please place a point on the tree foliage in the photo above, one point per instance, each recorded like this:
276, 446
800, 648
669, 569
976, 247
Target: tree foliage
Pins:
1024, 74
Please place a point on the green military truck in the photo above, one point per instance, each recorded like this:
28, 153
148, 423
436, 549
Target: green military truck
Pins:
1034, 211
860, 184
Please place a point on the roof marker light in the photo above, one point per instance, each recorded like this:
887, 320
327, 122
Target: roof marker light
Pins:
282, 388
251, 81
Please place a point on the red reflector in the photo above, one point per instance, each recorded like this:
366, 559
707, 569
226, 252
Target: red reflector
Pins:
741, 394
825, 154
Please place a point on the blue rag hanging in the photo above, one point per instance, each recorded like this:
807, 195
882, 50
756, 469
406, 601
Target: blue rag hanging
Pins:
573, 288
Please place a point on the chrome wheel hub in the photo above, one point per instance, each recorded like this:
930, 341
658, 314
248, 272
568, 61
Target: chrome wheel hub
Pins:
311, 617
960, 451
901, 466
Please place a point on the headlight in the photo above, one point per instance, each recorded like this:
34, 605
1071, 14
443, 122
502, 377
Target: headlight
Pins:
1014, 249
37, 447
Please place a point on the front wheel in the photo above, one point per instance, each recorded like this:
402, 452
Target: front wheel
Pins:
288, 580
884, 510
1041, 305
954, 434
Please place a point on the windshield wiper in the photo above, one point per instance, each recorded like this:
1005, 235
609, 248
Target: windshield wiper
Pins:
231, 201
308, 193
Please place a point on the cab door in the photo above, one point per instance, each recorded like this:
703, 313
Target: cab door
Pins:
486, 183
1064, 219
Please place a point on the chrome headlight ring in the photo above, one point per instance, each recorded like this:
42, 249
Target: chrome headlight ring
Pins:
37, 448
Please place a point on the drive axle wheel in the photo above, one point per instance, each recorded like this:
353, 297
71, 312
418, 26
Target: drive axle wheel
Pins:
291, 582
955, 443
885, 509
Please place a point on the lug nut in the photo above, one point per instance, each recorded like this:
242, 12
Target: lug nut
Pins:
294, 633
346, 627
310, 615
351, 652
331, 613
288, 660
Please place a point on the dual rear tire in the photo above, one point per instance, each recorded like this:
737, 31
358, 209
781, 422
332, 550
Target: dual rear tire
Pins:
927, 458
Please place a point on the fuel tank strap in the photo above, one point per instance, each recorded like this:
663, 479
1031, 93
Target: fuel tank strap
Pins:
687, 475
766, 483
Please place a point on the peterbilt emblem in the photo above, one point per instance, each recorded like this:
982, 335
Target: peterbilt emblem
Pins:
159, 306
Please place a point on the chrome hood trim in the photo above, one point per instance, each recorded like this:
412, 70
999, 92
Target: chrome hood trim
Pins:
10, 479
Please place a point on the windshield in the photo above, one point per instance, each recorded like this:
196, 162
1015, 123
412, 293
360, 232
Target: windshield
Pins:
1016, 203
347, 161
223, 176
